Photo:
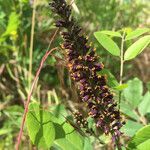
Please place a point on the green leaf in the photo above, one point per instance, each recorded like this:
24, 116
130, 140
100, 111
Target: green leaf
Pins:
112, 81
144, 146
144, 106
5, 131
137, 47
121, 87
131, 127
111, 33
73, 136
43, 128
59, 111
133, 93
142, 136
24, 1
107, 43
136, 33
148, 85
59, 131
72, 139
87, 144
15, 113
40, 126
128, 111
64, 144
13, 24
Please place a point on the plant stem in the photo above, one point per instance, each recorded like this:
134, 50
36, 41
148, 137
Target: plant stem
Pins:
31, 43
121, 58
121, 65
48, 52
30, 94
121, 76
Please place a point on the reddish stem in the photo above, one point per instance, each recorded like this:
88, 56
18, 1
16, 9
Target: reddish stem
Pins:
29, 96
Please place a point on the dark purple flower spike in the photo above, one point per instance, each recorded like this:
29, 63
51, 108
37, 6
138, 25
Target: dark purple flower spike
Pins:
84, 67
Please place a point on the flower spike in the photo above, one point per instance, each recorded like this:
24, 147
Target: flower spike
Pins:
84, 67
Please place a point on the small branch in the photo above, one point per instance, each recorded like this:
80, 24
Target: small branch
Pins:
29, 96
31, 42
52, 39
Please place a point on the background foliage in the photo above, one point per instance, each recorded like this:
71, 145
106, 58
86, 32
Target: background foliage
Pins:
54, 89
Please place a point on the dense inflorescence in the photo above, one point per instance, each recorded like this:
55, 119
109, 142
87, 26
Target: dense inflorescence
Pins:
81, 121
84, 67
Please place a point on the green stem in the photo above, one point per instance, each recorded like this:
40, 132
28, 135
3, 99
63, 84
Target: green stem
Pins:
31, 43
121, 64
